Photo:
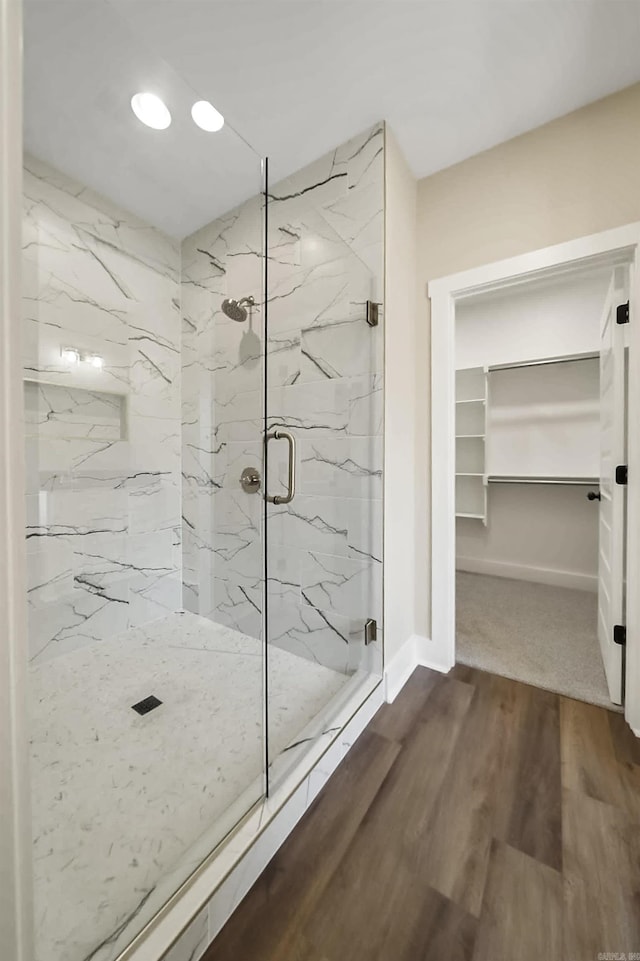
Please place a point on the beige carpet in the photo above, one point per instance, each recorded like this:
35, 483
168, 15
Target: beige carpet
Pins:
534, 633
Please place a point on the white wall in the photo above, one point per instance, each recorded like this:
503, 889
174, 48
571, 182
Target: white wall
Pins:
535, 533
549, 320
540, 421
404, 550
545, 420
558, 182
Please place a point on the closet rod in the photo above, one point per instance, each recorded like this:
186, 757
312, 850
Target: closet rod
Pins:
568, 359
523, 479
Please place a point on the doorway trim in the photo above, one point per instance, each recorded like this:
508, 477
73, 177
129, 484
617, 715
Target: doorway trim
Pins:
618, 245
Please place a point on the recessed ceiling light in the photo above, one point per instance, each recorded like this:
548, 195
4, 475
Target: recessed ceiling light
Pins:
151, 110
206, 116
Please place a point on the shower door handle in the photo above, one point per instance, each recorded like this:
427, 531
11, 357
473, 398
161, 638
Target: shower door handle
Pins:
280, 434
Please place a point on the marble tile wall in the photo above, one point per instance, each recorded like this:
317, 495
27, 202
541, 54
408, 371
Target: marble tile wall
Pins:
102, 443
325, 383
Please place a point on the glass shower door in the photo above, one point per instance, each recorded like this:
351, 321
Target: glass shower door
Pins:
144, 408
325, 389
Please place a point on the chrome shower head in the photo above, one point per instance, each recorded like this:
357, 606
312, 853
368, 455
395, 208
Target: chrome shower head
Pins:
237, 309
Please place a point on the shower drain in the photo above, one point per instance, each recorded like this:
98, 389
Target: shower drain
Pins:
146, 705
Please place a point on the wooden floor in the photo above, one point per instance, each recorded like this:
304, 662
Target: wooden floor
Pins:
475, 818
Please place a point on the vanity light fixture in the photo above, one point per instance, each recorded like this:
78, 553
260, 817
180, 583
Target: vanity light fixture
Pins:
207, 117
151, 110
70, 356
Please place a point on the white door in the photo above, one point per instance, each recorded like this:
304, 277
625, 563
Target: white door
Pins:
611, 539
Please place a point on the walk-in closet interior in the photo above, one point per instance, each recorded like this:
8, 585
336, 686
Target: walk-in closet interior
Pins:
540, 422
203, 395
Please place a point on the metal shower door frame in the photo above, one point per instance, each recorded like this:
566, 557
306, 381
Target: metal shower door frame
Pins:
16, 901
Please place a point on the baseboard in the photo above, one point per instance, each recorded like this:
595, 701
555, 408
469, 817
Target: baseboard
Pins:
524, 572
399, 669
417, 651
428, 654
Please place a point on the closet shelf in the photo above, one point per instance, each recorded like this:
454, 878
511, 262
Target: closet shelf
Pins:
470, 433
524, 479
544, 361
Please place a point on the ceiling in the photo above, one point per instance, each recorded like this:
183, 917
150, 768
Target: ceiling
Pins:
295, 79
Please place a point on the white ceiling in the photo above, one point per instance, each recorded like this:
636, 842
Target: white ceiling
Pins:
297, 78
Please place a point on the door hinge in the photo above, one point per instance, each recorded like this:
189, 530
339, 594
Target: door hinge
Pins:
372, 313
622, 313
370, 631
619, 634
622, 474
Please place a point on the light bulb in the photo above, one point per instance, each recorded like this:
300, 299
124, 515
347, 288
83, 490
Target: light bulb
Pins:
151, 110
70, 356
207, 117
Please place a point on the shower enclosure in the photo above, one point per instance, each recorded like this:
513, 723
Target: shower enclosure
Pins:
203, 397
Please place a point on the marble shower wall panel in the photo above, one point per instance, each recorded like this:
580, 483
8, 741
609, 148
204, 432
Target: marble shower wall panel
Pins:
222, 406
325, 548
102, 443
325, 383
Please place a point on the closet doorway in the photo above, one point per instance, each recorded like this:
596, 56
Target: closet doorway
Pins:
532, 506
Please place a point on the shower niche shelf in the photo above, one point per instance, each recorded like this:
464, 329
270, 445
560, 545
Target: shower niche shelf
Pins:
73, 413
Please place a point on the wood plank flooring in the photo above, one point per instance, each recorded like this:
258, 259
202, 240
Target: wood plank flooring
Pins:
476, 819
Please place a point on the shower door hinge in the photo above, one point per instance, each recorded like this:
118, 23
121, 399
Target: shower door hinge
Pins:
372, 313
622, 313
370, 631
622, 474
619, 634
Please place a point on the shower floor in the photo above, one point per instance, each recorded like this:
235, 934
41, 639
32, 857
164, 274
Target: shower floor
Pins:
122, 802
